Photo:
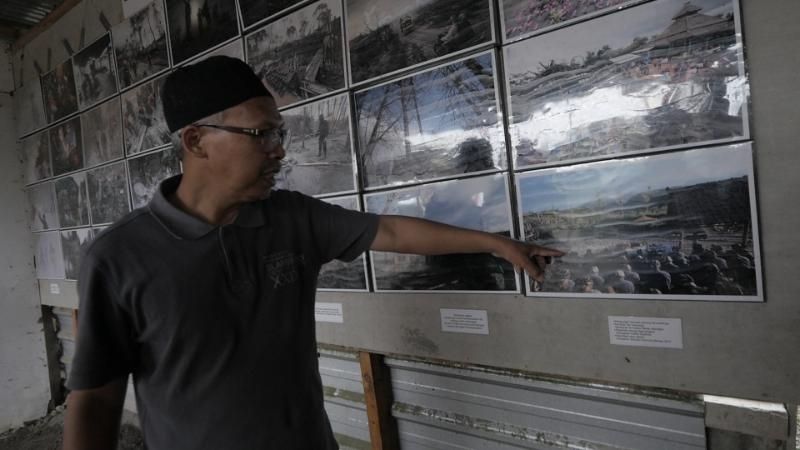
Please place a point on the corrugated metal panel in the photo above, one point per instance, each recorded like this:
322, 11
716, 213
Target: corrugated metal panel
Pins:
344, 398
25, 13
440, 407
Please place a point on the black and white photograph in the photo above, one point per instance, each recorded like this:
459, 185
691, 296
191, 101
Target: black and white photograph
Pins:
42, 203
661, 75
443, 122
59, 93
72, 199
140, 45
29, 105
108, 193
254, 11
73, 243
143, 122
319, 155
198, 25
102, 133
49, 257
386, 36
95, 72
526, 17
480, 203
679, 226
66, 148
36, 152
301, 55
339, 275
147, 171
233, 49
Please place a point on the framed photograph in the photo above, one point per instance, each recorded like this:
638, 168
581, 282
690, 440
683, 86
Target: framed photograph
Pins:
674, 226
319, 155
59, 93
42, 199
195, 27
36, 152
480, 203
339, 275
147, 172
255, 11
143, 123
95, 72
73, 242
73, 201
102, 133
29, 105
66, 147
49, 256
301, 55
522, 18
386, 36
140, 45
605, 87
108, 191
443, 122
233, 49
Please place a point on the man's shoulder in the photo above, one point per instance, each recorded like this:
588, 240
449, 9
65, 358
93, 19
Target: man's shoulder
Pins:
125, 230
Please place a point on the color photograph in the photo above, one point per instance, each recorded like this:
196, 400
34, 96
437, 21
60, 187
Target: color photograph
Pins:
95, 72
59, 93
140, 45
66, 148
147, 171
143, 122
42, 202
36, 152
339, 275
102, 133
72, 200
108, 191
198, 25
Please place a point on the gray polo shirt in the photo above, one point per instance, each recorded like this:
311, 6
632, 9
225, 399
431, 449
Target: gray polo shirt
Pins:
216, 323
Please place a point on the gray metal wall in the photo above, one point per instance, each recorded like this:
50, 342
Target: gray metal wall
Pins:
344, 398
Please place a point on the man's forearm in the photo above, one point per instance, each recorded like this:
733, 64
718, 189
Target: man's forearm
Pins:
402, 234
93, 417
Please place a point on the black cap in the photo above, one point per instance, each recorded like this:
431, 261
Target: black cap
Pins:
207, 87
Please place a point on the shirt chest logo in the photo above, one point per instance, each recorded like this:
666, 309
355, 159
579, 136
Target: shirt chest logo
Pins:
283, 267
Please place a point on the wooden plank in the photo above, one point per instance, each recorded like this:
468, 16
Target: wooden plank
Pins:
48, 21
75, 325
378, 397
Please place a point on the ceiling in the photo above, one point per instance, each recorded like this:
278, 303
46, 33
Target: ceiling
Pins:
17, 16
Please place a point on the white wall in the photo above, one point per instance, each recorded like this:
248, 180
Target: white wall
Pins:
24, 385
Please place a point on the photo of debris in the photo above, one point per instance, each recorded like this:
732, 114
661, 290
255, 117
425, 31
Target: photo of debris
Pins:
72, 200
36, 152
95, 72
29, 104
672, 226
525, 17
674, 79
147, 171
319, 157
73, 243
108, 191
143, 122
42, 202
49, 257
443, 122
102, 133
339, 275
301, 55
140, 45
386, 36
58, 92
480, 203
198, 25
66, 148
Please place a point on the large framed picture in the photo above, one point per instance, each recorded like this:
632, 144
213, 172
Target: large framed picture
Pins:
319, 153
143, 123
36, 152
73, 201
480, 203
73, 243
674, 226
339, 275
108, 193
29, 105
147, 171
255, 11
59, 93
95, 72
605, 87
387, 36
140, 45
443, 122
42, 200
66, 147
300, 56
195, 26
233, 49
102, 133
49, 256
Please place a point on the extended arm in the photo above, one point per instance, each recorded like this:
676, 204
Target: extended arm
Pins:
410, 235
93, 417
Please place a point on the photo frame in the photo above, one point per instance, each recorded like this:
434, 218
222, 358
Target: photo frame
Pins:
195, 27
49, 256
254, 12
603, 87
140, 45
143, 123
146, 172
233, 49
73, 200
480, 203
673, 226
95, 72
59, 92
440, 123
339, 275
73, 243
29, 105
102, 133
43, 211
66, 146
108, 193
36, 153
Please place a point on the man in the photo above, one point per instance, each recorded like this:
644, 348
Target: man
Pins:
207, 294
322, 149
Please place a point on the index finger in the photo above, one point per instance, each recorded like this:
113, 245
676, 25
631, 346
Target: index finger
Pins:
544, 251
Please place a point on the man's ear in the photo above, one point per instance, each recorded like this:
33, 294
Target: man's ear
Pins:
190, 141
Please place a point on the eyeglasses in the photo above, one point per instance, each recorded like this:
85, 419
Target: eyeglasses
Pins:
266, 137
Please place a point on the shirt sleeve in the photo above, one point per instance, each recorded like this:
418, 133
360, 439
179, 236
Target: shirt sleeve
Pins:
341, 233
105, 345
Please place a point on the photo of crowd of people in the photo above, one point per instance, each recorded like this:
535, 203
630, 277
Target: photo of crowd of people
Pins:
95, 72
140, 45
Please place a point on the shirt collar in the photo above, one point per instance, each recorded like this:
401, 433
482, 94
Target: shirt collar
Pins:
185, 226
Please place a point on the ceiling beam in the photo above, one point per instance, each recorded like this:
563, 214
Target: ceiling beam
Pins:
57, 13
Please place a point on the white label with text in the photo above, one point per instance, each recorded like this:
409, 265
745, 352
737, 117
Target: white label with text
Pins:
54, 289
471, 321
328, 312
645, 331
